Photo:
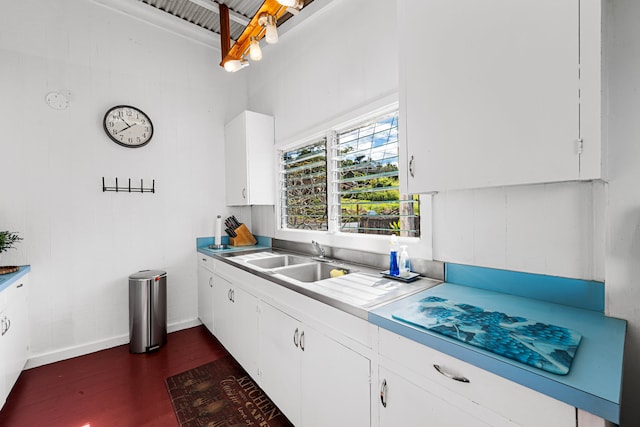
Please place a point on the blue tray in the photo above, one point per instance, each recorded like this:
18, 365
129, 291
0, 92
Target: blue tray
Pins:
541, 345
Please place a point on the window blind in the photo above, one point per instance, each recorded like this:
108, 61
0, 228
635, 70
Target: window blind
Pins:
366, 181
303, 187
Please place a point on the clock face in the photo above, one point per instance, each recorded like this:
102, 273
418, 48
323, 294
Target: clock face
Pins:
128, 126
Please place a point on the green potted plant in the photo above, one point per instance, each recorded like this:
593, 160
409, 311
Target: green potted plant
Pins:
8, 240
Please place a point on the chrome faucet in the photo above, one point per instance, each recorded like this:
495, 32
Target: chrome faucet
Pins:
318, 248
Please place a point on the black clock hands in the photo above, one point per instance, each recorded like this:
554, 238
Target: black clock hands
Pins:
128, 126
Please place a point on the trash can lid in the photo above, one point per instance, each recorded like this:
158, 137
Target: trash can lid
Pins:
147, 274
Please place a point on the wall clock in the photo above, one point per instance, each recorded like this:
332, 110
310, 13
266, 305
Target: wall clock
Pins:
128, 126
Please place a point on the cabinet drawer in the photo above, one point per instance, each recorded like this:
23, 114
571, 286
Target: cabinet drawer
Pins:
513, 401
205, 262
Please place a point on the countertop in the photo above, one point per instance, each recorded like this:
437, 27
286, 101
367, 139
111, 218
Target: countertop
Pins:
595, 378
594, 382
203, 243
7, 279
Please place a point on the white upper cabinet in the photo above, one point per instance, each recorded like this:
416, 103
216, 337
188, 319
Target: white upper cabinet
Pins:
499, 92
249, 160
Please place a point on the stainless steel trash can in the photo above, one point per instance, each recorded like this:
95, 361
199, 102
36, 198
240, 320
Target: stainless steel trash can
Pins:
147, 310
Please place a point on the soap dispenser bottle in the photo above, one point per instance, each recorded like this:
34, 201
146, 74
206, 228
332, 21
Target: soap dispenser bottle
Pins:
393, 256
404, 262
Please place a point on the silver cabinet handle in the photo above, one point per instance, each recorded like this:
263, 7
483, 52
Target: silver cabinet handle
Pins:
233, 295
211, 282
449, 375
383, 393
295, 337
302, 341
6, 325
411, 167
244, 193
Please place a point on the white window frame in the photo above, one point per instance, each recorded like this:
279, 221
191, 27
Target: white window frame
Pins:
419, 247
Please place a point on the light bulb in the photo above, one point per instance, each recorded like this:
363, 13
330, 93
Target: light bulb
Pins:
271, 35
255, 53
234, 65
294, 4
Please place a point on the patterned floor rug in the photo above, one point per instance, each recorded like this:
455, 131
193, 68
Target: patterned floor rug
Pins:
221, 394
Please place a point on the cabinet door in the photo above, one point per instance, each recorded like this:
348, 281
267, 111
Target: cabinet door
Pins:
244, 336
236, 162
490, 92
205, 297
236, 322
4, 389
279, 364
406, 404
335, 383
222, 309
249, 160
15, 339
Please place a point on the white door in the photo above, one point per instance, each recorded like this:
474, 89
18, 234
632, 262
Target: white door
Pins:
243, 338
236, 162
223, 310
279, 343
4, 389
205, 297
335, 383
405, 404
15, 339
490, 92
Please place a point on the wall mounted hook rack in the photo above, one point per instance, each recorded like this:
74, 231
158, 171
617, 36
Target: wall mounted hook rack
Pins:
128, 188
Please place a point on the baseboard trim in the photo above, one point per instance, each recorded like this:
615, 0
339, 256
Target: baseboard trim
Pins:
80, 350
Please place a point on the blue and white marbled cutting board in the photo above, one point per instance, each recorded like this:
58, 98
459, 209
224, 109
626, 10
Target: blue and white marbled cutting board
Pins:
544, 346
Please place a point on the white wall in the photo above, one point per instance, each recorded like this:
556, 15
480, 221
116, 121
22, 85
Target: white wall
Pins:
555, 229
343, 57
82, 243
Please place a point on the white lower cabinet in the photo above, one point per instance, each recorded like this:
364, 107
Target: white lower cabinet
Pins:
313, 379
488, 398
319, 371
403, 403
235, 317
205, 291
14, 342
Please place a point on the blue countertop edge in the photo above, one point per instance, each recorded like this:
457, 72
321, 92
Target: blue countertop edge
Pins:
583, 387
203, 243
587, 294
7, 280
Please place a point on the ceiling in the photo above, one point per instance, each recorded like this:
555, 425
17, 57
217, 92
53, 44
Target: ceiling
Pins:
204, 13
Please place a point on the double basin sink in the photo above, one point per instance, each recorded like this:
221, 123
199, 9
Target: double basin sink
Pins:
352, 287
300, 268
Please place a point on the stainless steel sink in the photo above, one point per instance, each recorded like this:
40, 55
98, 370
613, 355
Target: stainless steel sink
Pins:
311, 272
278, 261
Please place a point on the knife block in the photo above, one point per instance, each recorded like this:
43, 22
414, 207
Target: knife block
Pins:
243, 238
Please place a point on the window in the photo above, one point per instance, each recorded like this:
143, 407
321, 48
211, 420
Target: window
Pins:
356, 190
303, 187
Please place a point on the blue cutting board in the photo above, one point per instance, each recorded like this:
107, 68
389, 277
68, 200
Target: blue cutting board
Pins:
541, 345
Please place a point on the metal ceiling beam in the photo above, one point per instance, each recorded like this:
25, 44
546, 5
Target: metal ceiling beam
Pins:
215, 7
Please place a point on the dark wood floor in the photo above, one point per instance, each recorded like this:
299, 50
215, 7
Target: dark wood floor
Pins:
108, 388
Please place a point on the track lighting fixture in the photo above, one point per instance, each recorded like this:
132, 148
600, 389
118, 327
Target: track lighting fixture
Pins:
269, 23
296, 4
262, 25
255, 53
234, 65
